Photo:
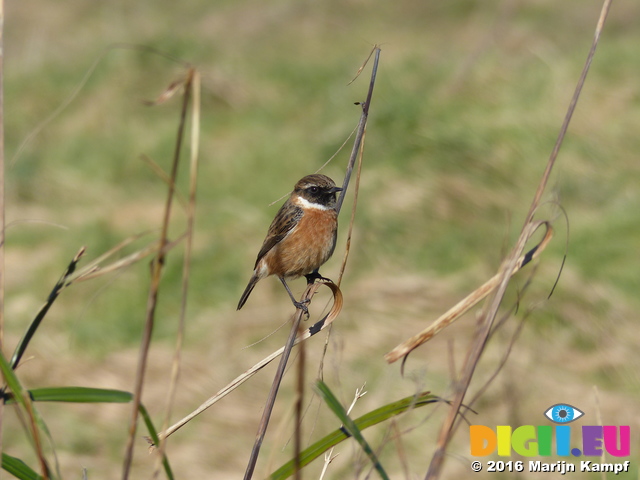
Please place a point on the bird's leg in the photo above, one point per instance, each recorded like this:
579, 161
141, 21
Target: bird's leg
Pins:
301, 305
315, 275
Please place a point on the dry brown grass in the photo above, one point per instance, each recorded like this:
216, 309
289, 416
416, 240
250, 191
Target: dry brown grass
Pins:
584, 337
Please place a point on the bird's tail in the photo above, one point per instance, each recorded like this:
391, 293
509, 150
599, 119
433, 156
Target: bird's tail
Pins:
248, 290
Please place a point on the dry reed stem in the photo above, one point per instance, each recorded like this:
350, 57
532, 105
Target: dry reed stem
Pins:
491, 307
464, 305
352, 220
2, 196
94, 270
162, 175
298, 408
354, 207
292, 336
191, 210
361, 125
32, 427
156, 271
275, 386
315, 328
329, 456
503, 360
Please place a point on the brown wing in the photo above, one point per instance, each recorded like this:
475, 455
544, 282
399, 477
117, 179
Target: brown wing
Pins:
286, 219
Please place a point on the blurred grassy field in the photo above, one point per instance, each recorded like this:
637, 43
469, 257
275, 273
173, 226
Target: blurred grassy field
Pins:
469, 99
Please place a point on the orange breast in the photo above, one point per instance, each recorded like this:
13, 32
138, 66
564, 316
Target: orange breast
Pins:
307, 247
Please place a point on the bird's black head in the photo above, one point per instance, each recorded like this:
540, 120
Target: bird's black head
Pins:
317, 189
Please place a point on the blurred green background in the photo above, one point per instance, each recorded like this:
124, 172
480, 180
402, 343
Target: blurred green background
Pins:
469, 99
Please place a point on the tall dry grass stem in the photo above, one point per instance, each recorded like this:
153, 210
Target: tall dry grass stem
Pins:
271, 399
157, 265
357, 145
298, 407
490, 310
362, 124
186, 265
2, 211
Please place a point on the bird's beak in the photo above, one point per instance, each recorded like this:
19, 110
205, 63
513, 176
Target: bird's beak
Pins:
335, 189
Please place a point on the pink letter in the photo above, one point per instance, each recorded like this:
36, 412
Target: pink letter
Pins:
611, 440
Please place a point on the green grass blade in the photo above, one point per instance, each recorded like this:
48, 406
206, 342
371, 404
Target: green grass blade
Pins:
365, 421
12, 381
18, 468
35, 423
153, 433
54, 394
28, 335
334, 404
75, 395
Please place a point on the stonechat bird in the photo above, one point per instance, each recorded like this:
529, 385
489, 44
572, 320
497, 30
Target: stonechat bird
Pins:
301, 238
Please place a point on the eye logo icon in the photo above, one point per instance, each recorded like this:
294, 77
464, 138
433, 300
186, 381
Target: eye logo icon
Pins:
563, 413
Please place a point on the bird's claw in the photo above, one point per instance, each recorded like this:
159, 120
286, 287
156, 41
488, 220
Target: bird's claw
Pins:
302, 306
313, 276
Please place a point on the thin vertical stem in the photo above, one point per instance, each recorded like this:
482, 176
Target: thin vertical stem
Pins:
297, 438
275, 386
264, 422
2, 218
156, 269
491, 307
361, 128
186, 266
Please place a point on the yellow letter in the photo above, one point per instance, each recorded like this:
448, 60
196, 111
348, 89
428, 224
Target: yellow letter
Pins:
504, 440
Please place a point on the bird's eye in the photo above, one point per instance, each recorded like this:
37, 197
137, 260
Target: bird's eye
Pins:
313, 189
